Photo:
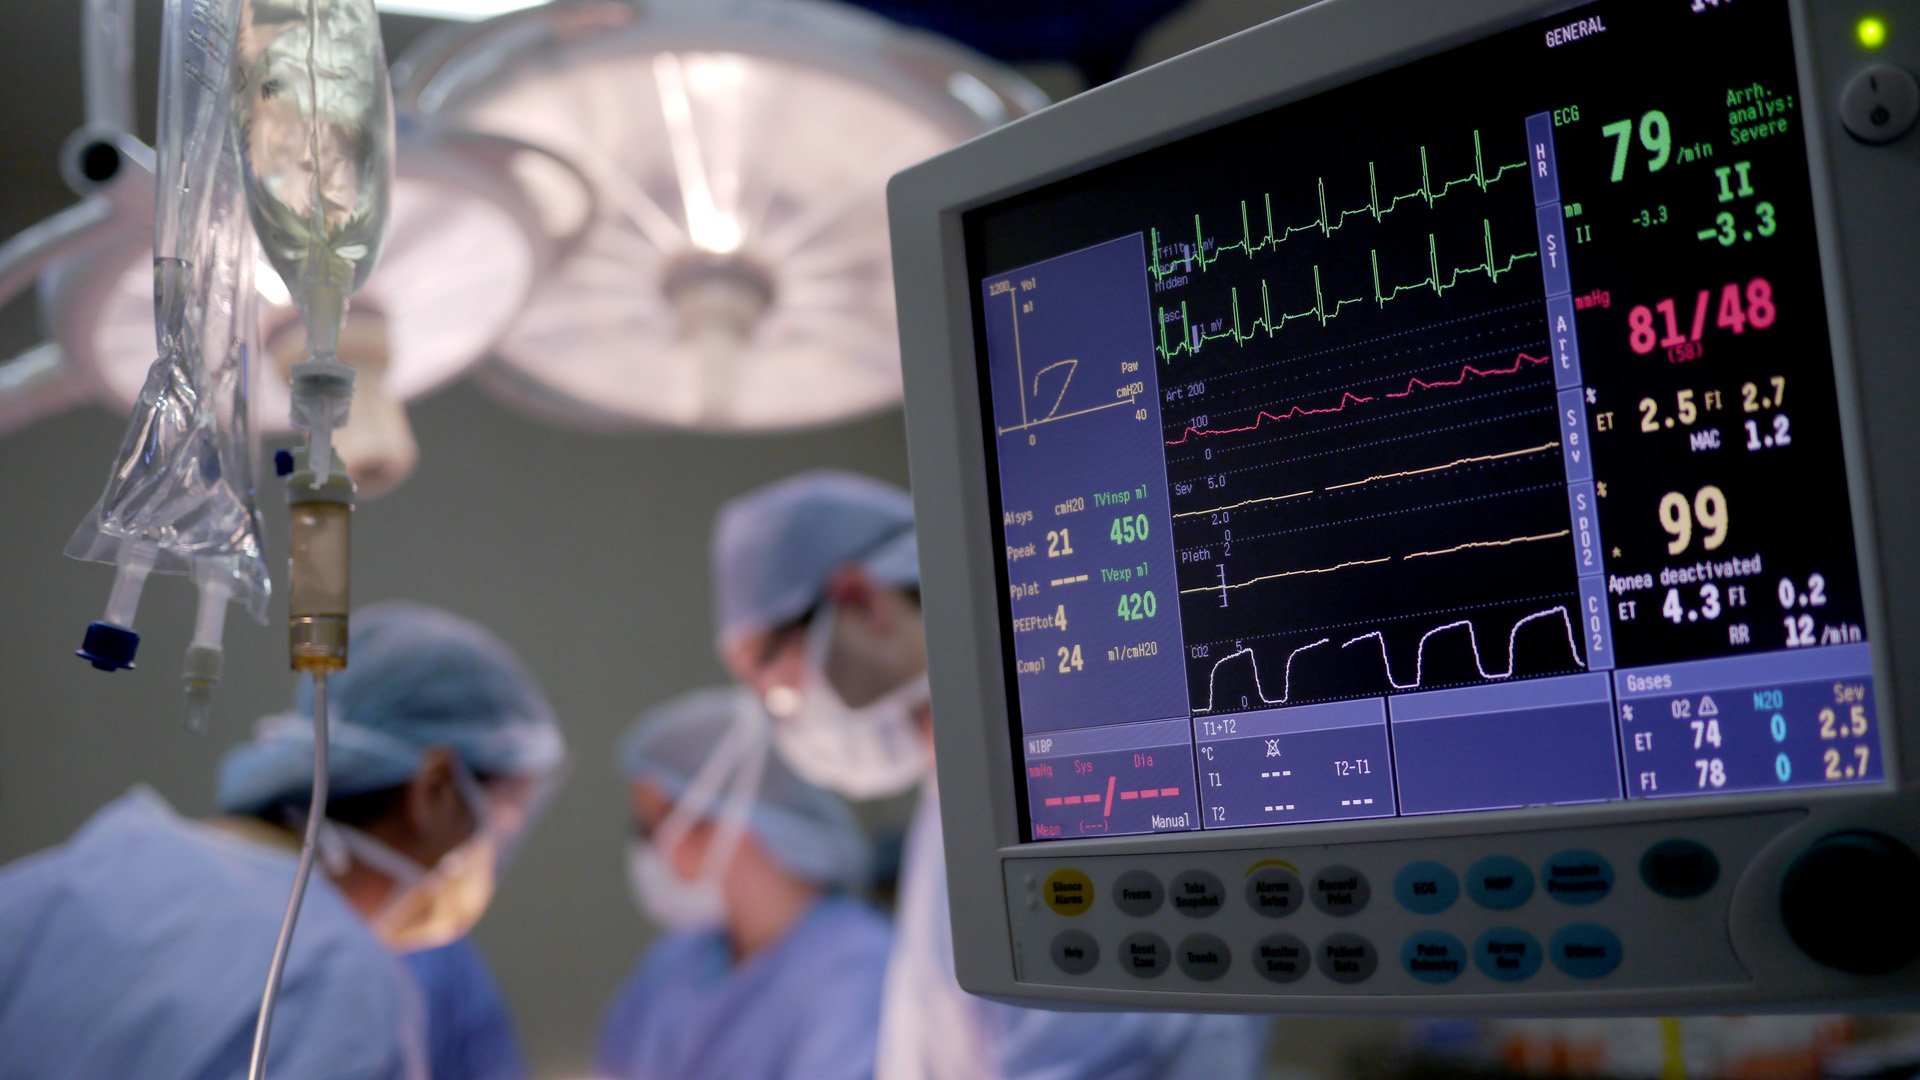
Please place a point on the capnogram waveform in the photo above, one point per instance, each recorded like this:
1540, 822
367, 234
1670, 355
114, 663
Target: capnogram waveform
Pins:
1419, 661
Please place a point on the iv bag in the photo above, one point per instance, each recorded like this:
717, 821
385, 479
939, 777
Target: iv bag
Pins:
182, 481
313, 109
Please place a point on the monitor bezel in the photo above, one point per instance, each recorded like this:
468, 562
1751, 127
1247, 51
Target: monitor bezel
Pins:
1318, 48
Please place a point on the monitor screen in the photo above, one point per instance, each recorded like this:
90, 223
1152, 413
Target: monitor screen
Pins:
1462, 438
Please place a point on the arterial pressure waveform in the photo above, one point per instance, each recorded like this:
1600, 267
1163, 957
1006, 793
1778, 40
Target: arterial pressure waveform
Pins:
1462, 438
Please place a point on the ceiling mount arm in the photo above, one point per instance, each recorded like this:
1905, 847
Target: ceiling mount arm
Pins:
106, 37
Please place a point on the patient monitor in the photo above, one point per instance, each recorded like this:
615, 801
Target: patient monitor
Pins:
1418, 512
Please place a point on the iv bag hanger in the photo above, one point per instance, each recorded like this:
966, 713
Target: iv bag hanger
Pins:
466, 245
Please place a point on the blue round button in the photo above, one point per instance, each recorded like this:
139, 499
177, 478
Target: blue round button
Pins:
1426, 888
1433, 957
1505, 954
1500, 882
1585, 951
1577, 877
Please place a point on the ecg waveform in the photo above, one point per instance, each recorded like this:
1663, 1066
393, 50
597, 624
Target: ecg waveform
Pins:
1471, 545
1414, 384
1193, 340
1197, 257
1361, 360
1419, 657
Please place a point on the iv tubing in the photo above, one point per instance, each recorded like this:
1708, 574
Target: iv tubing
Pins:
129, 578
316, 809
210, 618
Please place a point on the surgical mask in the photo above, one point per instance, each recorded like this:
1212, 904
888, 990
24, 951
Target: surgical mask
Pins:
667, 898
869, 752
427, 907
722, 791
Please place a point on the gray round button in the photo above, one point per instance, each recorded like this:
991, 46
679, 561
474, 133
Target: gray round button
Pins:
1340, 890
1348, 958
1880, 104
1075, 952
1203, 957
1144, 955
1281, 958
1273, 891
1198, 894
1138, 893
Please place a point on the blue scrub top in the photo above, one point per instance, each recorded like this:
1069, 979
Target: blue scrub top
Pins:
139, 948
807, 1008
469, 1032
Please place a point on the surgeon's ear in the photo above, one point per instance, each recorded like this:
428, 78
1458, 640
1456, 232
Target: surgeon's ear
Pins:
438, 819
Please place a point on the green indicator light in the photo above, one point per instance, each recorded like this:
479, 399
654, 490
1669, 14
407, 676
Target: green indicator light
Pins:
1872, 32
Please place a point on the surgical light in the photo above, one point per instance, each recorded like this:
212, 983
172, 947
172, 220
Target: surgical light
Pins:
734, 273
465, 247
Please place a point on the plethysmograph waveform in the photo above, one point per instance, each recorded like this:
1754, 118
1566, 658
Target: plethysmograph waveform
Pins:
1560, 611
1414, 384
1469, 545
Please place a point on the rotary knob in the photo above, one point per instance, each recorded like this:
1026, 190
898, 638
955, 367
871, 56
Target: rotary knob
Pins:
1849, 901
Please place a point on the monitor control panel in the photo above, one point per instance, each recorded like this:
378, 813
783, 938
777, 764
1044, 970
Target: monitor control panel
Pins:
1603, 909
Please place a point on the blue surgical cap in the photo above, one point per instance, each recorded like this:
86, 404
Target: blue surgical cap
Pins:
416, 678
775, 549
808, 831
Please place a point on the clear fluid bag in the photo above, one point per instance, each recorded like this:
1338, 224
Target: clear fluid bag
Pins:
313, 109
181, 487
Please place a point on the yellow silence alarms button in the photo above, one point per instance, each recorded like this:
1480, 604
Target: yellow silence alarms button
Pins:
1068, 892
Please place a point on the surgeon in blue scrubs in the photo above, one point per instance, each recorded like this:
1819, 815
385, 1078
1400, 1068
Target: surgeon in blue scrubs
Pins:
139, 947
817, 581
470, 1034
768, 971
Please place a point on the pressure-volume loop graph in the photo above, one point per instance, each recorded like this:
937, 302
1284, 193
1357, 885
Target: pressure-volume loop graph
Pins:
1559, 613
1045, 398
1468, 372
1195, 336
1066, 380
1202, 253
